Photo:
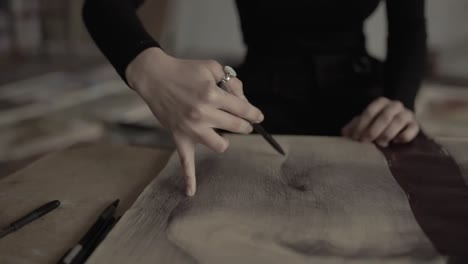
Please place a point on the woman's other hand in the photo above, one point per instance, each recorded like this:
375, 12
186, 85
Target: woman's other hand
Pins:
383, 121
184, 97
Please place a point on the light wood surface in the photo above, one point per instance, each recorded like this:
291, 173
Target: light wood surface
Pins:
329, 200
85, 179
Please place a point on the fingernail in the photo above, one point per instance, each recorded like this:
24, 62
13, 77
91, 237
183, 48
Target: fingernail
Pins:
261, 118
383, 144
189, 191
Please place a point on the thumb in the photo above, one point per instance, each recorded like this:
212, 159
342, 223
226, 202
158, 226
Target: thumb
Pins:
186, 151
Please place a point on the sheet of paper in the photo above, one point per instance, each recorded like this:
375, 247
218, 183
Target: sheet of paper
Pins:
329, 200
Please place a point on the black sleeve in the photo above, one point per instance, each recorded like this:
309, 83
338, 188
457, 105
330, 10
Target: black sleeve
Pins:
117, 31
406, 50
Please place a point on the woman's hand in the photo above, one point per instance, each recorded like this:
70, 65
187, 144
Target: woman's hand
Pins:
184, 97
382, 122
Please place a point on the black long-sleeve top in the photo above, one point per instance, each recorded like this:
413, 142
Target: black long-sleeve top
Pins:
117, 31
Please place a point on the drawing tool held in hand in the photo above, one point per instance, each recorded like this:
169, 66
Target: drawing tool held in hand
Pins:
228, 74
36, 214
81, 251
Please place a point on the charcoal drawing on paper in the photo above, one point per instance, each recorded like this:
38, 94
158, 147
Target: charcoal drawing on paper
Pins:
329, 200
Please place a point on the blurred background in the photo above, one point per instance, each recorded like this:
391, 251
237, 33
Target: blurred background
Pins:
57, 90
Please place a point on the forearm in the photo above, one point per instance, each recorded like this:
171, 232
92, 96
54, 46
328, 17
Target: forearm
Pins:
117, 31
407, 48
405, 67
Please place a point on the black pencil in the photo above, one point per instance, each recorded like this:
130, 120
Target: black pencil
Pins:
92, 245
91, 236
36, 214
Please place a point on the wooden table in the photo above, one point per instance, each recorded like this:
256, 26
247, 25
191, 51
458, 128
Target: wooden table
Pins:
85, 179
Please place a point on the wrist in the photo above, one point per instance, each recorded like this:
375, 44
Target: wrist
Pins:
136, 71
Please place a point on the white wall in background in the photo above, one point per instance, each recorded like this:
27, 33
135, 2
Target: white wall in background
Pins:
376, 32
447, 29
448, 25
204, 29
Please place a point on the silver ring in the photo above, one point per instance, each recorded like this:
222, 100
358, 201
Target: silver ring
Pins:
229, 72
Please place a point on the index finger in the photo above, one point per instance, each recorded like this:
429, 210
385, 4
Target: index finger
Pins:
239, 107
236, 87
368, 116
186, 151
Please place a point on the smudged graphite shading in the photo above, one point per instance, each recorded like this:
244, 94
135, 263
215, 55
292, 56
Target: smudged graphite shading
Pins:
317, 205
